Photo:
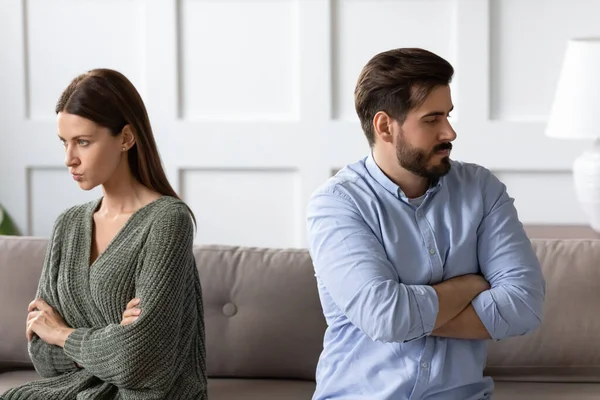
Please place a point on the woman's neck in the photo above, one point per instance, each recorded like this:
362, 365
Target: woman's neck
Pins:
124, 195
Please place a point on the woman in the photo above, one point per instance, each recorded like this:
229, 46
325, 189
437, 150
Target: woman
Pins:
129, 250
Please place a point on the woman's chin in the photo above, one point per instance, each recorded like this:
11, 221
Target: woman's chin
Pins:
85, 185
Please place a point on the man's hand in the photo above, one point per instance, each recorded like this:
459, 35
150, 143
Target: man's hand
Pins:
131, 313
45, 322
457, 293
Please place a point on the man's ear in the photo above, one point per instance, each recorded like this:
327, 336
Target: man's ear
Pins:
128, 137
382, 127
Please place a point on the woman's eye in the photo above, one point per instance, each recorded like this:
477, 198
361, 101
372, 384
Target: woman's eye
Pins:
83, 142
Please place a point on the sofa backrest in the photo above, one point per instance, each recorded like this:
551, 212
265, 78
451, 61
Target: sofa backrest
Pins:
261, 308
21, 262
565, 348
263, 316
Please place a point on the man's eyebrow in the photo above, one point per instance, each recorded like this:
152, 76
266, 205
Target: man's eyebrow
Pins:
437, 113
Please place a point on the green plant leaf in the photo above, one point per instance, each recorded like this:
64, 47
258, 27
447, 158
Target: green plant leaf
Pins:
7, 227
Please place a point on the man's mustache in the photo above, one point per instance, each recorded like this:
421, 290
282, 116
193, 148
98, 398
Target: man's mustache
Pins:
443, 146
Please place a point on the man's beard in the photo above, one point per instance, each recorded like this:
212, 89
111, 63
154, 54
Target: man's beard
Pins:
415, 160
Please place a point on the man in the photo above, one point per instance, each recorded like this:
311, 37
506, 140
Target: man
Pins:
419, 259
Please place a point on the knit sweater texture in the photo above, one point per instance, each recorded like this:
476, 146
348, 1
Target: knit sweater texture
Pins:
159, 356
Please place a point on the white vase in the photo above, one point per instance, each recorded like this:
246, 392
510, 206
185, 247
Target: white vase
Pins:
586, 178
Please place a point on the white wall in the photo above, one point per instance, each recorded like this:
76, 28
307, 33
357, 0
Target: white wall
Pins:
251, 100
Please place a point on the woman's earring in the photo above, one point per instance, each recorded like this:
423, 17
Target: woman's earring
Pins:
123, 148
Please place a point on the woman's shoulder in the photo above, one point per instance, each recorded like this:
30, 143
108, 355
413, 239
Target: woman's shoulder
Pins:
164, 211
77, 213
168, 223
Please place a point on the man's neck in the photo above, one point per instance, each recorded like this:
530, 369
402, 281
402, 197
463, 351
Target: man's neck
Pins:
412, 185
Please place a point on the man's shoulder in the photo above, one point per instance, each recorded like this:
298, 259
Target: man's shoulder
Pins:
468, 170
346, 182
474, 183
466, 173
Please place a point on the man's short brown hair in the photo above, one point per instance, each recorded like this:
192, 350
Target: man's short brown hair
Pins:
397, 81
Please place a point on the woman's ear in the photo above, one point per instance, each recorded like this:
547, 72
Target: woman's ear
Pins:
128, 137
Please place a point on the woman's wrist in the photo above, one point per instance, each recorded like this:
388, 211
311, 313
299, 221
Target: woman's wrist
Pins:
63, 335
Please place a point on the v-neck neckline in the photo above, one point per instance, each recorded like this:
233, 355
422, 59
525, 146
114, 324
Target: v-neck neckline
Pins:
90, 229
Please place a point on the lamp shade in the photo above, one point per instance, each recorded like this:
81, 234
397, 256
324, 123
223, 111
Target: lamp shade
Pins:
576, 106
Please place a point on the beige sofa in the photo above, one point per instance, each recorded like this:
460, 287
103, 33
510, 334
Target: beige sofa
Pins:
265, 327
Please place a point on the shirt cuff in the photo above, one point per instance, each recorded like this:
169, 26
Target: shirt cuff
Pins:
487, 310
427, 302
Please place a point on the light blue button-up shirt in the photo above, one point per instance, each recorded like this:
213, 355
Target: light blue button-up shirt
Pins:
376, 256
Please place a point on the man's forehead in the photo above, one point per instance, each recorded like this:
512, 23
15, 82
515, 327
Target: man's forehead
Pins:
439, 99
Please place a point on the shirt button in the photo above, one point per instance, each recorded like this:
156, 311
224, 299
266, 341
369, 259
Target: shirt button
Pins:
432, 251
425, 365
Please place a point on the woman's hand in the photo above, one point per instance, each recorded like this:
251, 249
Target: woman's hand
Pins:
45, 322
131, 313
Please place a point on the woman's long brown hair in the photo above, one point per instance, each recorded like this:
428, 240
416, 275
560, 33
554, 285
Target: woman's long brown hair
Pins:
109, 99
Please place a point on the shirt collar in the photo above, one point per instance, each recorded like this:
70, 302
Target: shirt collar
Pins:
388, 184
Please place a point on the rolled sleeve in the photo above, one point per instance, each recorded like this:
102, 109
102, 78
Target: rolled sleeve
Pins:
489, 314
513, 306
427, 304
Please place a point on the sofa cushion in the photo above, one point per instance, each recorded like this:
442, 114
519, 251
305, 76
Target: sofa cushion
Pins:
21, 260
9, 380
259, 389
270, 389
546, 391
263, 317
565, 348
